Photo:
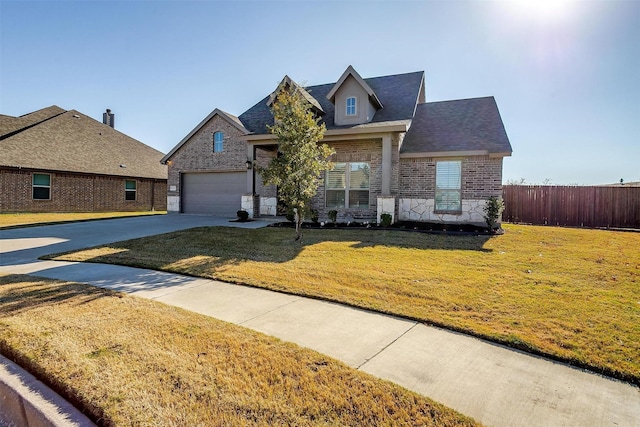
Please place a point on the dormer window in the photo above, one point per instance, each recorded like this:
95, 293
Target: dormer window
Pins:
351, 106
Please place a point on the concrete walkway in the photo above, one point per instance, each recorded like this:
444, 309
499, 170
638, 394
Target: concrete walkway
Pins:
493, 384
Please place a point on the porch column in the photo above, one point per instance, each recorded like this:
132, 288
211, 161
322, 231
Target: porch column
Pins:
250, 181
248, 202
386, 165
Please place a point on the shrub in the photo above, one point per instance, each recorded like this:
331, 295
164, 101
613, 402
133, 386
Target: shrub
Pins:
242, 215
492, 211
314, 216
333, 216
385, 219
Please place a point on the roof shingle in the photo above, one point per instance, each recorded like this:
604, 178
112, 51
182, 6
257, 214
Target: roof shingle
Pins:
459, 125
73, 142
398, 93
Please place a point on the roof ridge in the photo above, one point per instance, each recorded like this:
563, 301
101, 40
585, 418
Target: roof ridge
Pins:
461, 99
22, 129
369, 78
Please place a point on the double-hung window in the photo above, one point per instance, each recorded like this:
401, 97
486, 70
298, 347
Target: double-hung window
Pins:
130, 190
351, 106
449, 186
347, 185
41, 186
218, 142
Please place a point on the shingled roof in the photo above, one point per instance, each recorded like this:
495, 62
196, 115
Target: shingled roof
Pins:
10, 125
398, 93
471, 125
59, 140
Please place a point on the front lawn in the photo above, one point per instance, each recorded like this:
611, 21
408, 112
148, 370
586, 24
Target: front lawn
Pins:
132, 361
568, 293
14, 220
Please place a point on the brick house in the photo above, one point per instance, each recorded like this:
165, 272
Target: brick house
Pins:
395, 153
54, 160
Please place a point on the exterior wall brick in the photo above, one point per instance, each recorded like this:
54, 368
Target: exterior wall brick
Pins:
263, 157
79, 193
481, 178
197, 155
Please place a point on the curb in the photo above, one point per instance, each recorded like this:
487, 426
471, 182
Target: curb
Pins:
25, 401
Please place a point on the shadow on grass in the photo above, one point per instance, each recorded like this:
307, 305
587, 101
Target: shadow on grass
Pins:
20, 293
203, 251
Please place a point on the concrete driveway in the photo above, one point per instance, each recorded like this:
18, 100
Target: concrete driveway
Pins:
493, 384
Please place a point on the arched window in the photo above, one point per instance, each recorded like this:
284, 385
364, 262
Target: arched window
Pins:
218, 142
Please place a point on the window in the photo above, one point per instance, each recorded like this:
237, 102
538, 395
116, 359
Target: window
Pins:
448, 186
218, 142
129, 190
351, 106
41, 186
347, 185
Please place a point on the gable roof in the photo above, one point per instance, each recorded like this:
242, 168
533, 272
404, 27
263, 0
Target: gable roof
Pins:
287, 81
73, 142
350, 71
459, 125
217, 112
398, 93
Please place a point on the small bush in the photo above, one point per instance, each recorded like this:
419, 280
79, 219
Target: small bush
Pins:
242, 215
385, 219
492, 211
314, 216
333, 216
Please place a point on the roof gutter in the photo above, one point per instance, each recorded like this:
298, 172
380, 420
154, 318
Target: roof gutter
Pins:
454, 154
340, 134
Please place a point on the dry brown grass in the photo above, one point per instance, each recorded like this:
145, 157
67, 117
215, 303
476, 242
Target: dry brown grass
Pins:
8, 220
568, 293
131, 361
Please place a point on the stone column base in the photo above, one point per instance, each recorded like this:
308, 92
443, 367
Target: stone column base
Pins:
387, 205
268, 206
247, 204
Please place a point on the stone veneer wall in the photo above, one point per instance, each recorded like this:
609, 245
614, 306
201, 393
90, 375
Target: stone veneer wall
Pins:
197, 155
481, 178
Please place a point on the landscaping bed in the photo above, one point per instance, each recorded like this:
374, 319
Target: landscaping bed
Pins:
419, 226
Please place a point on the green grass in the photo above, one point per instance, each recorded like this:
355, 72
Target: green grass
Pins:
132, 361
570, 294
14, 220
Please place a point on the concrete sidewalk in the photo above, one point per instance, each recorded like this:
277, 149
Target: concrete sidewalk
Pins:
493, 384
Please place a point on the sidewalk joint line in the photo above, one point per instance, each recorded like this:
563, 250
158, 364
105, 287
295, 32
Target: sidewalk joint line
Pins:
270, 311
367, 360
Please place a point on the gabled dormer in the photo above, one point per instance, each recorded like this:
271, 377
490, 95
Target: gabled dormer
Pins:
353, 99
286, 83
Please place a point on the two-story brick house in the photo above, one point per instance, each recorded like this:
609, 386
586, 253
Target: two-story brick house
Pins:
395, 153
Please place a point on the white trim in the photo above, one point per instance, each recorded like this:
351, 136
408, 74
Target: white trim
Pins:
355, 107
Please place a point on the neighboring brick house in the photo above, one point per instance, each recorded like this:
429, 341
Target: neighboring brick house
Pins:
53, 160
395, 153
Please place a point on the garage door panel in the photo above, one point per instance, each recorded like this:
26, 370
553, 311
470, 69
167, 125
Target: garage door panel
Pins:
213, 193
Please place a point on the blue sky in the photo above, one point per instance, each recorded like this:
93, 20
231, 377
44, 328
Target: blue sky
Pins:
565, 74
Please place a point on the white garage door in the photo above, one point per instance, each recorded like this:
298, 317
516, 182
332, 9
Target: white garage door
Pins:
213, 193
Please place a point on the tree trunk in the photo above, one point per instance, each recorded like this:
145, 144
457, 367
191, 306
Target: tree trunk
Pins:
298, 218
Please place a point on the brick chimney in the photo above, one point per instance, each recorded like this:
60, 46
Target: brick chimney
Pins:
109, 118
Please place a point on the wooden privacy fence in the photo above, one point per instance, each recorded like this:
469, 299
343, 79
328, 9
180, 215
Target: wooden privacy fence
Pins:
615, 207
